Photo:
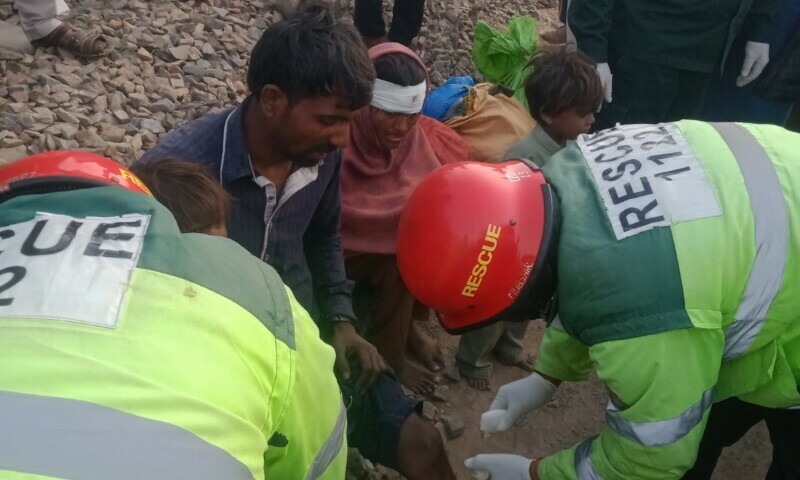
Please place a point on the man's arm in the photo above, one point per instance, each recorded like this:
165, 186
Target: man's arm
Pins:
758, 24
332, 289
662, 389
323, 250
590, 22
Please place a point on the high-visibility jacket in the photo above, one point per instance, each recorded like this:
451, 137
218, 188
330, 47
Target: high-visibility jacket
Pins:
679, 281
131, 351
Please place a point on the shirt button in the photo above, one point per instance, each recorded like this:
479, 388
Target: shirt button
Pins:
271, 199
266, 258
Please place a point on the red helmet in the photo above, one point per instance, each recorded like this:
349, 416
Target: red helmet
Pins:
65, 170
475, 243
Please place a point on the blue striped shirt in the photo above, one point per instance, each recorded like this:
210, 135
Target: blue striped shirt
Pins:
302, 241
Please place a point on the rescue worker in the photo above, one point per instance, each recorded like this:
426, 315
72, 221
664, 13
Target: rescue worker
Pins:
674, 249
129, 350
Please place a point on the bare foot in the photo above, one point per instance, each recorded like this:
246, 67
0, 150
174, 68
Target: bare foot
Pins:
417, 379
424, 349
481, 384
525, 363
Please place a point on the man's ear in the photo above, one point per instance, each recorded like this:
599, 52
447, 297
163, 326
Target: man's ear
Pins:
273, 101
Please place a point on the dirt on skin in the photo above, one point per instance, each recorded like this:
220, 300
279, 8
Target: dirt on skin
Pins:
575, 413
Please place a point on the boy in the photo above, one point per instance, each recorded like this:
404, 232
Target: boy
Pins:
563, 92
198, 203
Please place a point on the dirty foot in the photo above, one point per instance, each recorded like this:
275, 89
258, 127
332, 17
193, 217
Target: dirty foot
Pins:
525, 363
88, 45
481, 384
417, 379
424, 349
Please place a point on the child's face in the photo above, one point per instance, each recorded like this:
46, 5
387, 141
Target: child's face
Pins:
570, 123
217, 230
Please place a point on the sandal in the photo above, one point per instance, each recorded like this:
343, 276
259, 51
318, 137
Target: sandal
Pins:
90, 45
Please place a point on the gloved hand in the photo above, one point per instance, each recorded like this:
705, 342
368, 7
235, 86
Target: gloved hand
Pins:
501, 466
605, 79
756, 57
514, 400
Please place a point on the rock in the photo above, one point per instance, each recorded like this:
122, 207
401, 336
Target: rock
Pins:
440, 393
453, 427
452, 375
9, 155
115, 101
168, 92
100, 104
43, 115
111, 133
150, 124
20, 96
429, 412
144, 55
162, 105
139, 99
180, 52
67, 117
358, 466
90, 139
63, 130
121, 115
10, 140
70, 79
60, 97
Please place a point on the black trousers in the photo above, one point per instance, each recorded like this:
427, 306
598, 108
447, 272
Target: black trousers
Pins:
644, 92
729, 420
406, 19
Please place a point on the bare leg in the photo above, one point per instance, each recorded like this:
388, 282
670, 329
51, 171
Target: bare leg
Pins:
421, 454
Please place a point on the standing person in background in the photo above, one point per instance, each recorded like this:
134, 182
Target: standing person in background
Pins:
407, 18
391, 149
759, 102
39, 21
661, 54
563, 92
279, 156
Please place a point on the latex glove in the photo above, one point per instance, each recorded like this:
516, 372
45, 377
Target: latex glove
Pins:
605, 79
516, 399
756, 57
501, 466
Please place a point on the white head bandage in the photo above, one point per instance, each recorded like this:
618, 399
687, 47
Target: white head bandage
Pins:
393, 98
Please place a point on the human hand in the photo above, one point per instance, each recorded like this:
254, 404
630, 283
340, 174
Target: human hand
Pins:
346, 342
502, 466
604, 72
516, 399
756, 57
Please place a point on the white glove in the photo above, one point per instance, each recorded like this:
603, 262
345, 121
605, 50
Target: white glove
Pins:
501, 466
605, 79
516, 399
756, 57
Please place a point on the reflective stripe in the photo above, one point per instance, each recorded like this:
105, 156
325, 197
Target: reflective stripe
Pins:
583, 462
771, 220
66, 438
662, 432
330, 450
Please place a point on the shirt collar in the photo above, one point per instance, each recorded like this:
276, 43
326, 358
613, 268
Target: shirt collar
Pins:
235, 159
542, 138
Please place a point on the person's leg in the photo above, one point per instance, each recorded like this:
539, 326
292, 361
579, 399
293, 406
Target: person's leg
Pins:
509, 349
368, 19
38, 18
727, 422
421, 454
386, 428
642, 93
420, 345
691, 98
407, 16
784, 431
391, 316
474, 355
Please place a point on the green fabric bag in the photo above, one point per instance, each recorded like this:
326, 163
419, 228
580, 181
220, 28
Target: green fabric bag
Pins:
502, 57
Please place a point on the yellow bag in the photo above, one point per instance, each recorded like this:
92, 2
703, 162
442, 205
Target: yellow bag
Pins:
493, 123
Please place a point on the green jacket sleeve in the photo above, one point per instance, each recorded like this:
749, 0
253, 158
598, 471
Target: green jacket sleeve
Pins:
561, 356
661, 391
758, 25
590, 22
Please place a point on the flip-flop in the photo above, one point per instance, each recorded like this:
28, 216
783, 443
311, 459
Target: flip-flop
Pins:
67, 38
